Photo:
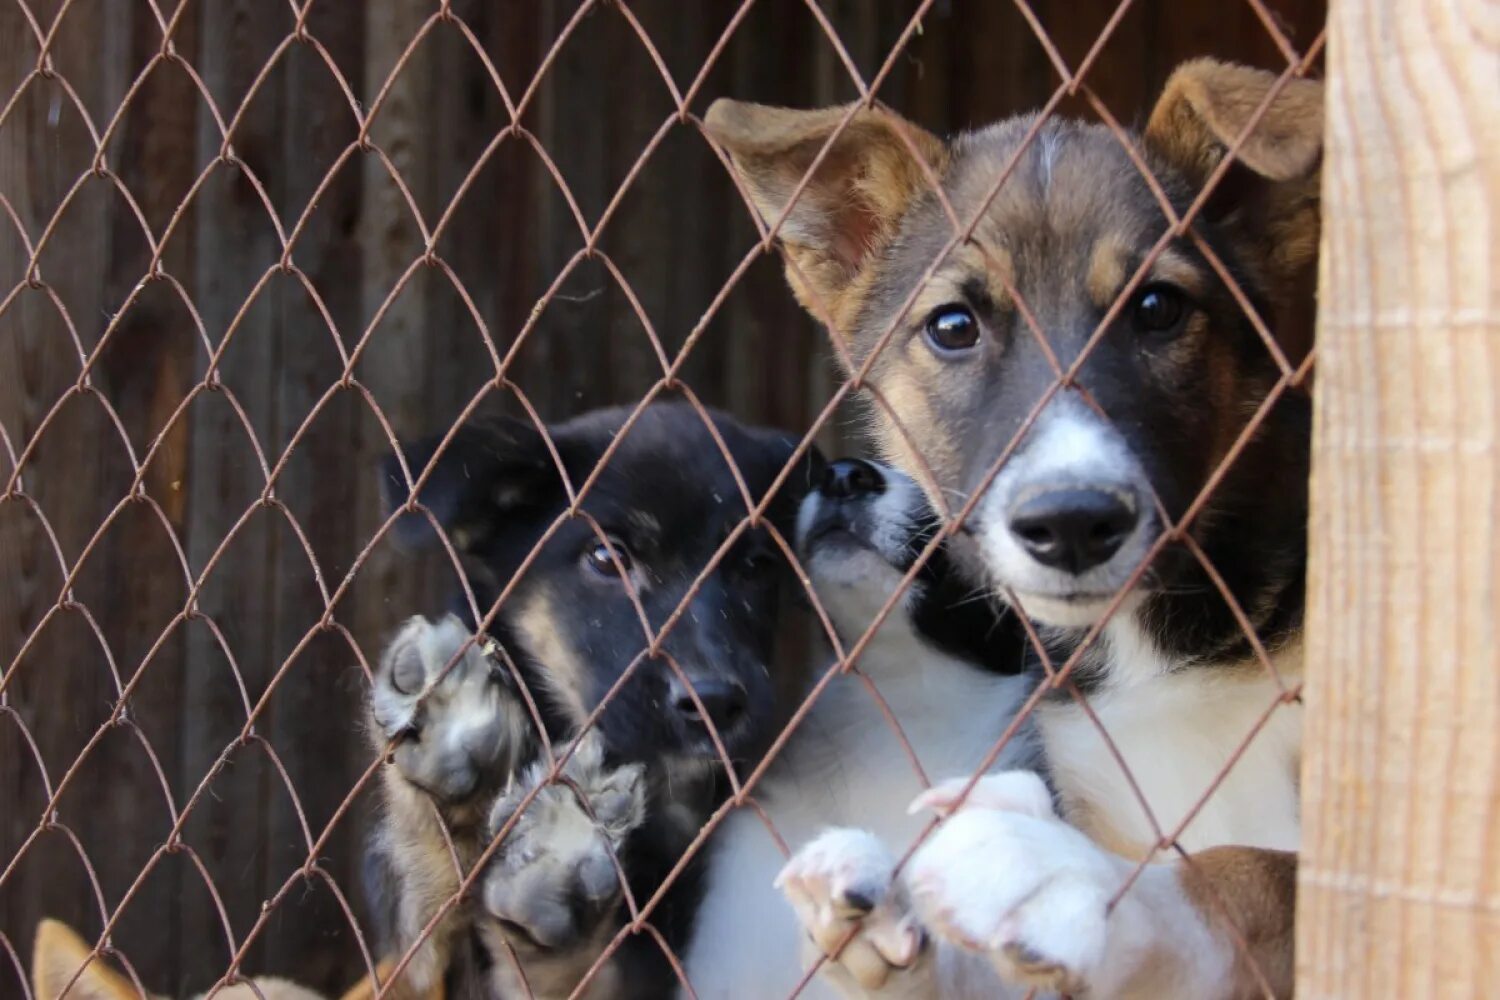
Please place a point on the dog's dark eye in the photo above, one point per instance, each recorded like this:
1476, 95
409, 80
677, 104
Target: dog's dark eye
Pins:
952, 328
597, 558
1159, 310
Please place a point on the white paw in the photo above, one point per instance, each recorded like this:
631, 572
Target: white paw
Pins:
553, 881
457, 727
1002, 875
843, 888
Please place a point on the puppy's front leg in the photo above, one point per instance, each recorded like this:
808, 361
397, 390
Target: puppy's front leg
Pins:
1004, 876
552, 891
458, 732
860, 922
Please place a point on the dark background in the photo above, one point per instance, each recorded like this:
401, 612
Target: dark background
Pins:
677, 234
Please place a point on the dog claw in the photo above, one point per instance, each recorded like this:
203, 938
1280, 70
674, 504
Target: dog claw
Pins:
856, 903
843, 888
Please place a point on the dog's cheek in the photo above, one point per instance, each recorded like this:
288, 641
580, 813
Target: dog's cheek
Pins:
1204, 377
563, 670
917, 424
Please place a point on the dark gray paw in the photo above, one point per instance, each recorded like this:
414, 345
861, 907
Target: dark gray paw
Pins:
553, 882
455, 729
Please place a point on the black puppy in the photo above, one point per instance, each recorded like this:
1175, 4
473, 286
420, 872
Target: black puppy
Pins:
472, 718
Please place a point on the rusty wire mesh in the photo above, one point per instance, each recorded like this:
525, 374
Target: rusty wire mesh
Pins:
29, 687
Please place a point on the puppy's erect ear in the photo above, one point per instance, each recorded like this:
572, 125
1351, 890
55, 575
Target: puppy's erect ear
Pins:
489, 469
877, 164
1271, 194
59, 954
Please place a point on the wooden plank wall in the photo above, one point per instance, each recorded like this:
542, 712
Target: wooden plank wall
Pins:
1399, 886
677, 234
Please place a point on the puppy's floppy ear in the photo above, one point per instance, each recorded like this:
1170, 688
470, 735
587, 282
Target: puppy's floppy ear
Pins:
56, 958
1207, 105
488, 469
849, 209
1271, 194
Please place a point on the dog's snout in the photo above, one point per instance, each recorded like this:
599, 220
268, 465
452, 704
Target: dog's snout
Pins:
723, 700
850, 477
1073, 530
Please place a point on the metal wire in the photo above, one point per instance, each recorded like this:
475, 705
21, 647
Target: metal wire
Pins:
102, 170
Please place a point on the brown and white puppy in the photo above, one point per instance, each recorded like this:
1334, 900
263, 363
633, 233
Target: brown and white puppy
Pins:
1104, 468
64, 966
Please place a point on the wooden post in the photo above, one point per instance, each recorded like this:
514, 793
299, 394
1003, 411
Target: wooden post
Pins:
1400, 875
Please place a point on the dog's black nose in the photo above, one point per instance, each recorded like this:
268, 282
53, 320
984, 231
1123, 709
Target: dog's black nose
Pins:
849, 477
1072, 530
723, 700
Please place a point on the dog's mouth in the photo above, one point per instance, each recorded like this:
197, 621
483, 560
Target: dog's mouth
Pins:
1075, 597
837, 543
1100, 592
701, 747
1081, 608
833, 533
1069, 609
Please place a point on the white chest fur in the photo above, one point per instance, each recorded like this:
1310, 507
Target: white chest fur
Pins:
846, 766
1177, 731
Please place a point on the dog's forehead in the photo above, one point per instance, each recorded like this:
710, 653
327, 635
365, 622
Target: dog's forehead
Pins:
671, 434
655, 489
1072, 211
668, 472
1065, 178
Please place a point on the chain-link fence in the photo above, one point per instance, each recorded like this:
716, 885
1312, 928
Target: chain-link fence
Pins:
249, 247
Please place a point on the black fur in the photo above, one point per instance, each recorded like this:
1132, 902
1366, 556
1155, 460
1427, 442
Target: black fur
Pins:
496, 489
668, 499
965, 621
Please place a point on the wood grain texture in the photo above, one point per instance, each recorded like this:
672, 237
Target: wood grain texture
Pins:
1400, 879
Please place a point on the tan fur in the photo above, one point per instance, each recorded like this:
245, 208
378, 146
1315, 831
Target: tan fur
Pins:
566, 673
61, 960
430, 844
1172, 267
413, 834
553, 842
1255, 890
417, 840
1207, 105
57, 957
906, 445
521, 907
368, 989
871, 172
1107, 272
991, 267
833, 233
